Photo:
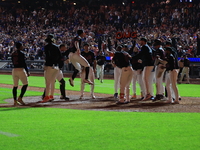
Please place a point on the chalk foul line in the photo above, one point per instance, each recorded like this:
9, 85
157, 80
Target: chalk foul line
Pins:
8, 134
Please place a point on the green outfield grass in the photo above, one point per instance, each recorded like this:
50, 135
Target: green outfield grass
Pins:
60, 129
27, 128
186, 90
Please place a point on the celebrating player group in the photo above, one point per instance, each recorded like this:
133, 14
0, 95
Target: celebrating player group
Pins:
146, 63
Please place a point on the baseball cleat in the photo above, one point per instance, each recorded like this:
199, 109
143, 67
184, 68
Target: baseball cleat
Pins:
126, 102
120, 102
88, 81
148, 97
141, 98
176, 102
51, 98
45, 99
20, 101
16, 103
116, 95
134, 96
152, 98
71, 82
81, 97
65, 98
168, 102
93, 97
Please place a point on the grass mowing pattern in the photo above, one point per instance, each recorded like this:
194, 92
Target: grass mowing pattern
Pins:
185, 90
47, 128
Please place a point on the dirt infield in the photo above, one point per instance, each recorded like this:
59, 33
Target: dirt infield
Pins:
105, 102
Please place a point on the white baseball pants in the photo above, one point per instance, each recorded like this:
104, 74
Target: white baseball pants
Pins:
134, 80
147, 76
100, 72
91, 77
125, 80
19, 74
117, 75
171, 84
159, 79
78, 61
50, 78
185, 71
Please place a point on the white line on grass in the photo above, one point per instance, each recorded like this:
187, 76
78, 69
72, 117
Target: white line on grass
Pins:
8, 134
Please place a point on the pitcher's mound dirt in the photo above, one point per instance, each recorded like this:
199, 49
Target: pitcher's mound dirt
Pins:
106, 102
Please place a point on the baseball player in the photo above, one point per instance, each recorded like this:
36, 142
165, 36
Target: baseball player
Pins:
90, 57
20, 72
77, 60
117, 71
174, 53
137, 73
171, 76
146, 57
51, 69
100, 65
186, 69
134, 79
159, 69
59, 76
122, 60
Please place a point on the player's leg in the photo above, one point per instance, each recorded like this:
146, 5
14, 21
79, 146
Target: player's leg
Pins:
117, 74
77, 67
168, 87
98, 71
101, 73
62, 82
134, 80
182, 74
173, 78
83, 62
130, 73
123, 84
152, 81
54, 72
92, 77
159, 82
82, 76
15, 85
24, 80
47, 76
187, 69
147, 81
141, 83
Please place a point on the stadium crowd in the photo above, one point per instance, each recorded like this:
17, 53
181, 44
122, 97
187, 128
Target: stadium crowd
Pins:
178, 22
